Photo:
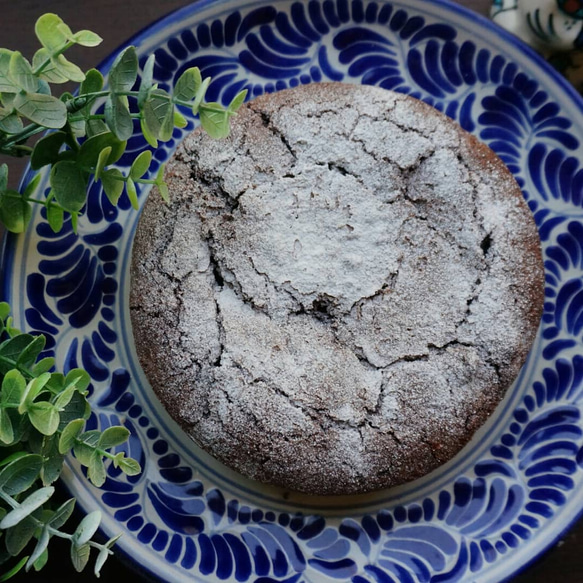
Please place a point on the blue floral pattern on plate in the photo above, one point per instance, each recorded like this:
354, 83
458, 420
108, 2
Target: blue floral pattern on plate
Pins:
480, 517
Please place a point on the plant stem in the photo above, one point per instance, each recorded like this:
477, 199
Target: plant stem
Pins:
25, 372
29, 131
70, 139
38, 70
204, 106
34, 128
11, 194
26, 150
101, 116
123, 178
9, 500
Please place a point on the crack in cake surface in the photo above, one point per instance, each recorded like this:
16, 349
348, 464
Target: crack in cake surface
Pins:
342, 297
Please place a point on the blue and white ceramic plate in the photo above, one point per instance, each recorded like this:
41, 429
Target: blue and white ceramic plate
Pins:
509, 494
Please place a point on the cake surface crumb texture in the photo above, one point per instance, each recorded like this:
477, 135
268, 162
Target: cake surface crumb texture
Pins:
340, 293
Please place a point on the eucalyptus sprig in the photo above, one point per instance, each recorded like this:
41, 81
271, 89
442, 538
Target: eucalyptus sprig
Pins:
86, 143
42, 419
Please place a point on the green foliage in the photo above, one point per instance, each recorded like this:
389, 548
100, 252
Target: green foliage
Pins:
42, 419
68, 185
43, 110
43, 412
48, 151
215, 120
86, 145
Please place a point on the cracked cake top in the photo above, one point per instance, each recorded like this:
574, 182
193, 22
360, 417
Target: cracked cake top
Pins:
340, 293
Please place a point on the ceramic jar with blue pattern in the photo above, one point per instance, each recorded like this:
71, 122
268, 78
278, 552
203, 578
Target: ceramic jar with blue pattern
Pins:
552, 27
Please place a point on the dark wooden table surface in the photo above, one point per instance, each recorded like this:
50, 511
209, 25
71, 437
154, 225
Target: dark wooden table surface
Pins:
116, 21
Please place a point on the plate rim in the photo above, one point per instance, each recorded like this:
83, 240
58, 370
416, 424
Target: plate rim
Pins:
7, 246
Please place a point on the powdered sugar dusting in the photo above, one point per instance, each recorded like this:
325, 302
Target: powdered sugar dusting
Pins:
353, 281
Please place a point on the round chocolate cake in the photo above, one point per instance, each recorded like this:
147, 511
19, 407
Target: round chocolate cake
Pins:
340, 293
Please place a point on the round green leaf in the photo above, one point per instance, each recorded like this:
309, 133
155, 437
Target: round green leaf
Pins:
70, 434
102, 162
6, 429
113, 184
237, 101
10, 122
74, 221
27, 507
49, 72
200, 95
86, 38
56, 383
32, 186
85, 446
96, 469
33, 389
43, 365
40, 548
132, 193
19, 475
69, 185
44, 416
163, 189
77, 408
14, 346
49, 33
15, 212
124, 71
118, 117
95, 127
179, 120
88, 155
93, 82
64, 398
80, 556
78, 127
62, 514
13, 387
167, 127
113, 436
31, 352
149, 137
78, 378
44, 110
158, 114
214, 120
41, 561
19, 536
160, 174
52, 460
21, 73
141, 164
87, 528
6, 84
128, 466
187, 85
55, 217
11, 572
146, 81
69, 70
